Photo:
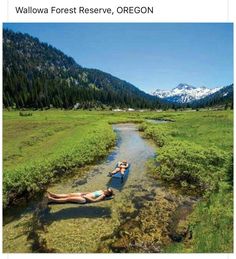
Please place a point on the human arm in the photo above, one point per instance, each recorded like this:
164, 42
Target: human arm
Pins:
124, 166
100, 198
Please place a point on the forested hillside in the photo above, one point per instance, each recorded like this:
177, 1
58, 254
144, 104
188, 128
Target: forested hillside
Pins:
37, 75
222, 97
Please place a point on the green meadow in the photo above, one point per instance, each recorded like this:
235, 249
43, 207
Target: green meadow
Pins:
194, 155
41, 147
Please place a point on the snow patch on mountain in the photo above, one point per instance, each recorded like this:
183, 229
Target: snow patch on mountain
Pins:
185, 93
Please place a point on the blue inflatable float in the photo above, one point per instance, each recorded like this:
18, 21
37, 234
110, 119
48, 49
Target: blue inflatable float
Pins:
119, 175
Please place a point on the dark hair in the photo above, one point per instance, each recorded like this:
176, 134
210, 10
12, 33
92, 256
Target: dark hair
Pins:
108, 192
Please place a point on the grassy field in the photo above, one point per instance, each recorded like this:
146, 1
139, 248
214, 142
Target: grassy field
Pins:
194, 155
39, 147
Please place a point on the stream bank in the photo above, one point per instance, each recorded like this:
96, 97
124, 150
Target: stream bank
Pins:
142, 217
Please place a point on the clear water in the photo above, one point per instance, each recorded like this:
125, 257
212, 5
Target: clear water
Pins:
80, 228
157, 121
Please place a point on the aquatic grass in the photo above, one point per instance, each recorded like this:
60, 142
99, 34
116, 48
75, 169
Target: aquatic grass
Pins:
213, 231
196, 155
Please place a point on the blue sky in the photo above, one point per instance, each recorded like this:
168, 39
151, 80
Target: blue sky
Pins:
148, 55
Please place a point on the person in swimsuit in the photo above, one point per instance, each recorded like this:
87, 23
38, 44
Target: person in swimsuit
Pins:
80, 197
121, 167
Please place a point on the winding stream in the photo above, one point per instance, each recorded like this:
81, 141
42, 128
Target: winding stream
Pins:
80, 228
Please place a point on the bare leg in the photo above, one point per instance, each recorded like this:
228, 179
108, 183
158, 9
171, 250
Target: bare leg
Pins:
54, 195
115, 171
68, 199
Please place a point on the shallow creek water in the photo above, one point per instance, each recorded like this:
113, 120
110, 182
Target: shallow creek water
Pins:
80, 228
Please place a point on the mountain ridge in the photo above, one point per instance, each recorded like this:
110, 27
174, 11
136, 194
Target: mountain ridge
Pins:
185, 93
222, 97
38, 75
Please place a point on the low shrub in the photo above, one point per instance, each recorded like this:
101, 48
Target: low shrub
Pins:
25, 113
36, 175
191, 166
154, 133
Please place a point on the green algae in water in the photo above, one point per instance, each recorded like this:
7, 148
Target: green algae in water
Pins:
77, 228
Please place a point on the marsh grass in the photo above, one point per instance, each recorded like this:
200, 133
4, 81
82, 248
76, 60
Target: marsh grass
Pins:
195, 153
212, 224
36, 150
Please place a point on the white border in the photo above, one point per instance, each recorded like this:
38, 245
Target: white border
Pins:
164, 11
167, 11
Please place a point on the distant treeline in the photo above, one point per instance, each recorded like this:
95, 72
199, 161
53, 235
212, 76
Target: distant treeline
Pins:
222, 97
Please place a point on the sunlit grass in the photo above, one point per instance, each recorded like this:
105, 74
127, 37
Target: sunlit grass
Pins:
185, 142
37, 147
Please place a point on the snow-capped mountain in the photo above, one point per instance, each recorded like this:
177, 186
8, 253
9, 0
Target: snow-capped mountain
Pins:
222, 97
185, 93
